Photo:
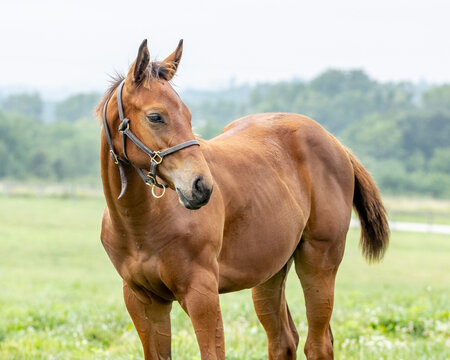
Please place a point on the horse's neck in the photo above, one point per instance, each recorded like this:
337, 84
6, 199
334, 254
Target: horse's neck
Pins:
134, 199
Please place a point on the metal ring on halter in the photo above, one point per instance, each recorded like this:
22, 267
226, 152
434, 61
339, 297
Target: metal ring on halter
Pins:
158, 196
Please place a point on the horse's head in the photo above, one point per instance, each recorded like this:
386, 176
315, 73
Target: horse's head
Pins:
160, 120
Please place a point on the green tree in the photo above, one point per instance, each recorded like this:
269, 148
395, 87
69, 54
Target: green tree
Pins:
437, 98
376, 136
17, 137
425, 130
209, 129
74, 149
76, 107
334, 82
29, 105
440, 162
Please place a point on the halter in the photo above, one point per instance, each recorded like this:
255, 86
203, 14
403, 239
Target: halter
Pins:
156, 157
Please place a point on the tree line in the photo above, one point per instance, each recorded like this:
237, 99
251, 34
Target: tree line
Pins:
33, 148
400, 131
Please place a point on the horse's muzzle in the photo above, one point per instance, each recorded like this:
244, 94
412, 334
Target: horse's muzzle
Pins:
200, 195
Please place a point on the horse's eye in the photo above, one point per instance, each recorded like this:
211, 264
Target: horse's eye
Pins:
155, 118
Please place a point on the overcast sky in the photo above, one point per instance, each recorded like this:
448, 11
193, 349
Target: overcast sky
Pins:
69, 46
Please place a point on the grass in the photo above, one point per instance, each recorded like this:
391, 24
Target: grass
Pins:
61, 298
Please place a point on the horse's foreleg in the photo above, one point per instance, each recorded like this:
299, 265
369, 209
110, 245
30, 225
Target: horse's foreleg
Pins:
316, 263
152, 322
200, 300
273, 313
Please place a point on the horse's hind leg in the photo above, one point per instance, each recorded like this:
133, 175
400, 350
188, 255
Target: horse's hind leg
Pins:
316, 263
273, 313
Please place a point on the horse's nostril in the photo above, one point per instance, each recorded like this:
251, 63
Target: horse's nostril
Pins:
200, 192
198, 185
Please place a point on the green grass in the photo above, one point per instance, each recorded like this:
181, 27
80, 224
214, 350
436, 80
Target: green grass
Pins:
60, 298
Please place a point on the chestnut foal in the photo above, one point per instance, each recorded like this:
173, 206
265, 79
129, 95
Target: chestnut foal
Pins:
284, 189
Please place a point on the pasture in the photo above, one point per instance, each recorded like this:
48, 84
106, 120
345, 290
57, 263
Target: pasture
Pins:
60, 297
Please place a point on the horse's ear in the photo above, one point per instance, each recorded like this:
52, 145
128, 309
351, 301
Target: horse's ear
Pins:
137, 70
173, 60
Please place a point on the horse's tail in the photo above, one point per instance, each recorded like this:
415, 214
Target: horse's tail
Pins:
371, 212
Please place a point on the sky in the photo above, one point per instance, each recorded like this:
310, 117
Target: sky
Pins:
59, 47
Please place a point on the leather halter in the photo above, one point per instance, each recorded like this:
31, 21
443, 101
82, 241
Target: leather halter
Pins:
156, 157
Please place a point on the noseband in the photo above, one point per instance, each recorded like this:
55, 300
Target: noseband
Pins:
156, 157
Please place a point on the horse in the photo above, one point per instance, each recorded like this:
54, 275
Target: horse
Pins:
271, 190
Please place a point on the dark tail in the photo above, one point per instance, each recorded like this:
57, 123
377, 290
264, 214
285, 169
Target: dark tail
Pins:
371, 212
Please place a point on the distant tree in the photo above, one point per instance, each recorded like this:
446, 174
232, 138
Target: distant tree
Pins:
74, 148
437, 99
440, 162
17, 138
40, 163
425, 130
209, 129
375, 136
76, 107
268, 98
334, 82
335, 98
29, 105
221, 112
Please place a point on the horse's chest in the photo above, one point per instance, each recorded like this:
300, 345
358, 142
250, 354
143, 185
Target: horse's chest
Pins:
137, 263
142, 274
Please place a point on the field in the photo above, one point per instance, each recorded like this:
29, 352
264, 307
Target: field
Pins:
61, 298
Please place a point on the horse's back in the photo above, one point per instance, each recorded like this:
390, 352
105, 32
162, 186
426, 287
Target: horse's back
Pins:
270, 123
293, 138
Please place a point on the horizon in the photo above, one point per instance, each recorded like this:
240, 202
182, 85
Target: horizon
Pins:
58, 94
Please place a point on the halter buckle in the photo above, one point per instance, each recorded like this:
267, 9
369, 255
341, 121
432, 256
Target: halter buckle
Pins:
122, 126
156, 158
152, 181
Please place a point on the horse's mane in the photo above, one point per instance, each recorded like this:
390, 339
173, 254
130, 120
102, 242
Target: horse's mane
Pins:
155, 70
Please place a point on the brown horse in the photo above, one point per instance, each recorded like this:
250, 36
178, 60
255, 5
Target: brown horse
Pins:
283, 192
